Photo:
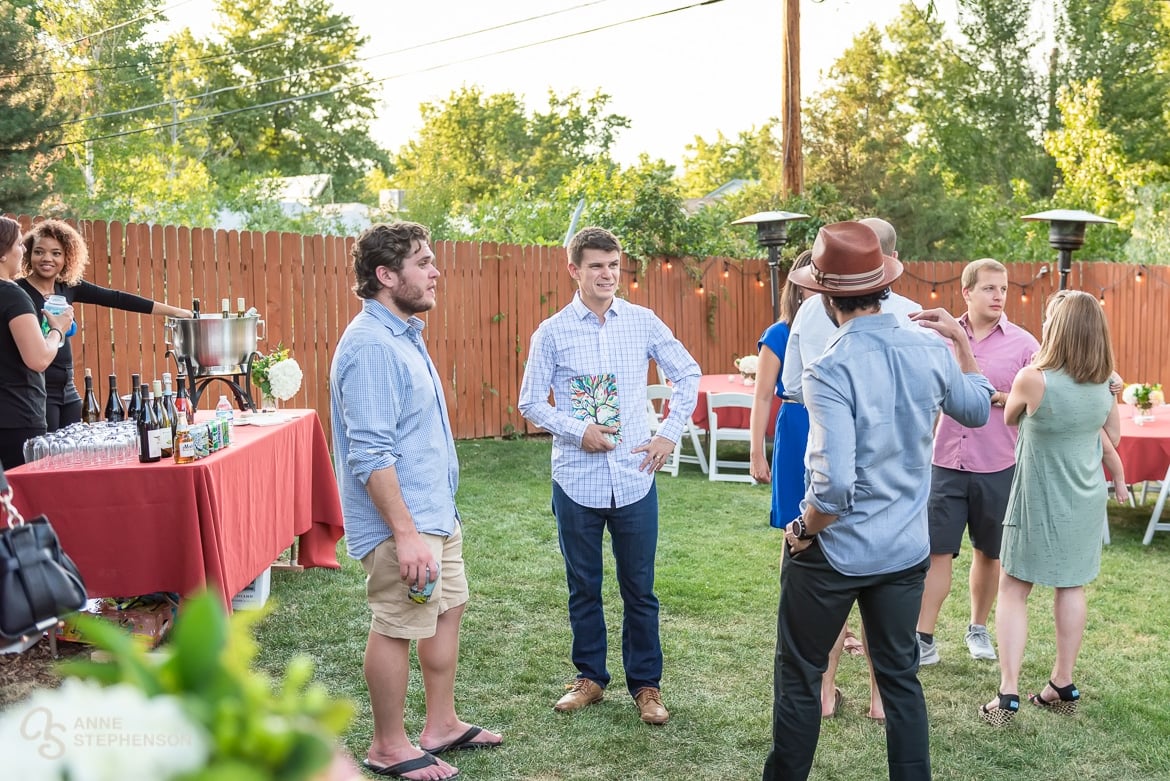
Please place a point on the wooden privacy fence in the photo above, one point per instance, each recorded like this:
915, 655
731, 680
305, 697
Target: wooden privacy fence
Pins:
491, 298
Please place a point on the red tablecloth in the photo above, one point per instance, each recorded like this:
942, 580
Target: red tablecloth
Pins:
730, 418
139, 528
1145, 449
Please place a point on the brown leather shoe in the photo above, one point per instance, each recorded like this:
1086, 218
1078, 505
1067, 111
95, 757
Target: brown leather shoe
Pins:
650, 705
582, 693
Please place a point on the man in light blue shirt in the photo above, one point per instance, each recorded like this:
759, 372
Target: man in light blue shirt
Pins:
862, 536
594, 354
398, 473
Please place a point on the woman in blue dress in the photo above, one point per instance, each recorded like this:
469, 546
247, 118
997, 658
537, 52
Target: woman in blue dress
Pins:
786, 472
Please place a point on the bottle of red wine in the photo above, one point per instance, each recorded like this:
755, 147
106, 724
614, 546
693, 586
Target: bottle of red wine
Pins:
136, 397
183, 400
115, 413
90, 411
149, 449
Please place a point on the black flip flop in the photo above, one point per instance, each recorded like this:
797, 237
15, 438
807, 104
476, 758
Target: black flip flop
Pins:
399, 770
465, 742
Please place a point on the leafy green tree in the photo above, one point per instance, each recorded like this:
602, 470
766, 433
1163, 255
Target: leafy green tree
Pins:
258, 76
755, 154
1125, 44
474, 148
108, 68
33, 111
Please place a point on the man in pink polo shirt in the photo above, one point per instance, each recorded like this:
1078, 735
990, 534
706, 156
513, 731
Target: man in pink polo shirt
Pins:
972, 467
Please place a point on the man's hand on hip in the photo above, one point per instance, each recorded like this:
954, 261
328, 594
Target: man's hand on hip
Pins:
657, 450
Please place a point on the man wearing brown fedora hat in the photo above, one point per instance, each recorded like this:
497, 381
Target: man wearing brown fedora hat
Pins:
862, 535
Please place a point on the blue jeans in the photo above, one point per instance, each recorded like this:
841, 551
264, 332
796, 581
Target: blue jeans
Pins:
634, 533
815, 600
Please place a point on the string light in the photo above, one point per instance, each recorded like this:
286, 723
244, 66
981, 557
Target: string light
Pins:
699, 289
726, 269
669, 265
759, 281
1102, 299
1140, 278
634, 284
933, 293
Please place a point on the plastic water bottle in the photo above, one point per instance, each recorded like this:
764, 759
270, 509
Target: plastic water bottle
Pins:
224, 415
56, 305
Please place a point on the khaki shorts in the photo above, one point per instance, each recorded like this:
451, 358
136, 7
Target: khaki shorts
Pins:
394, 613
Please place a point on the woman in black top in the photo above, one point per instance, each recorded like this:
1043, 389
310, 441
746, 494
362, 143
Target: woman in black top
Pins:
54, 262
24, 353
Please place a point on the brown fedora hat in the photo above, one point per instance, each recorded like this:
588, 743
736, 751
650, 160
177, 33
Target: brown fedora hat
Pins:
847, 260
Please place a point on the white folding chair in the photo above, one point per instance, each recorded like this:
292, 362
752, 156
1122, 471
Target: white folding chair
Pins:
656, 397
717, 434
1156, 515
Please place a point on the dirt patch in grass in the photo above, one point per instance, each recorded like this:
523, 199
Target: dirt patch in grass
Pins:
36, 668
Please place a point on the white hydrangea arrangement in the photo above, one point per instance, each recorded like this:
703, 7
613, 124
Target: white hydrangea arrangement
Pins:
1143, 396
748, 365
277, 374
285, 379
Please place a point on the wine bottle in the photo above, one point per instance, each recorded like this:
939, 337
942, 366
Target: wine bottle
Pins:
115, 412
148, 445
225, 308
90, 411
183, 400
240, 312
136, 396
195, 308
164, 432
169, 403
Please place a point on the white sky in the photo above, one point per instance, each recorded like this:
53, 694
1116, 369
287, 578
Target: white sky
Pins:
693, 72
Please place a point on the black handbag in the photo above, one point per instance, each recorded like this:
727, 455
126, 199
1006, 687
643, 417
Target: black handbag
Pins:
39, 583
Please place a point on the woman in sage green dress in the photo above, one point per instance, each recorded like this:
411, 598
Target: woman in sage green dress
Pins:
1052, 529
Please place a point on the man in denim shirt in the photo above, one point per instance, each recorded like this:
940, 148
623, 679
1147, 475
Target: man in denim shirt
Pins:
397, 471
594, 354
862, 536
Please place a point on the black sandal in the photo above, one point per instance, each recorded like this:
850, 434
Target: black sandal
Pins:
1066, 704
1002, 714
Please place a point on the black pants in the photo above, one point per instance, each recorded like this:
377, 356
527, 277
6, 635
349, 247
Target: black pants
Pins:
815, 600
12, 445
61, 414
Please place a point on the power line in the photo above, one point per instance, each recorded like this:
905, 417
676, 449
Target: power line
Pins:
180, 60
347, 87
118, 26
262, 82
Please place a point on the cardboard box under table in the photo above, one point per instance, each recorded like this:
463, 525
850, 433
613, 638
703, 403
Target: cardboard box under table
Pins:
221, 521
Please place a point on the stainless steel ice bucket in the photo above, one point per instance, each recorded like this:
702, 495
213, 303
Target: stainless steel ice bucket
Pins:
213, 344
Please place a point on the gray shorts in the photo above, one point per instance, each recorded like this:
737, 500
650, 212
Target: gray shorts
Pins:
967, 500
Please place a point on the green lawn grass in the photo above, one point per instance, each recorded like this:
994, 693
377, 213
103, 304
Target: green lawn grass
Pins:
718, 584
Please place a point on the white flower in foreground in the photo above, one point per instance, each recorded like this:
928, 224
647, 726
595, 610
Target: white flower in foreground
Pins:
1129, 395
285, 379
86, 732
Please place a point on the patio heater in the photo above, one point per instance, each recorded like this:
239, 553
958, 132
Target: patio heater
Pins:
772, 234
1066, 233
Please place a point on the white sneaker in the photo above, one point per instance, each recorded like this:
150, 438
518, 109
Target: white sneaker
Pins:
927, 652
979, 642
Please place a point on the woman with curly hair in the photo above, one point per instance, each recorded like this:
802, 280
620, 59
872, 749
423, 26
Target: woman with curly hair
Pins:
24, 353
55, 257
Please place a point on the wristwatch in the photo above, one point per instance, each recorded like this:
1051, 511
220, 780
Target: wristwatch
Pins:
800, 529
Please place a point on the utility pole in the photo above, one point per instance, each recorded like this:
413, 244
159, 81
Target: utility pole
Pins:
793, 179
